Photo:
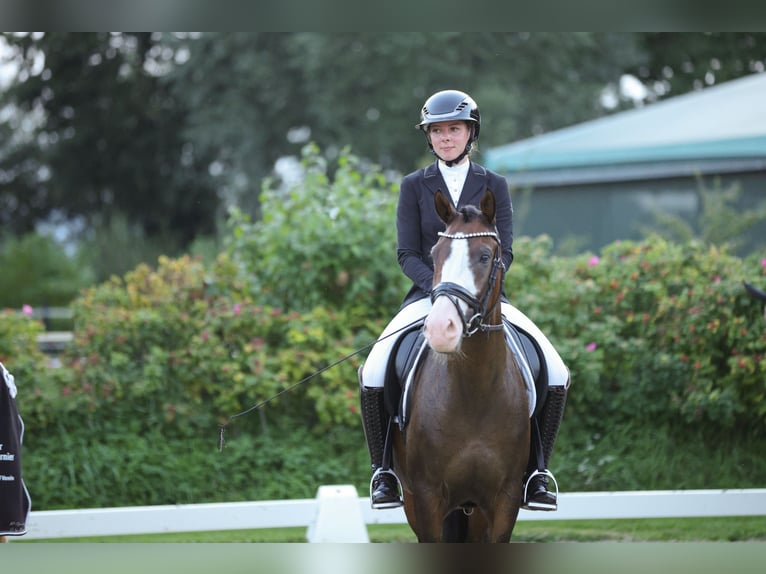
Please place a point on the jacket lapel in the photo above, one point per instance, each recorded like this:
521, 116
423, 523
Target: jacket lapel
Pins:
433, 179
473, 189
475, 185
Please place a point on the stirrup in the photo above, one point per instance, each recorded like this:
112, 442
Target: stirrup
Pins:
527, 505
392, 504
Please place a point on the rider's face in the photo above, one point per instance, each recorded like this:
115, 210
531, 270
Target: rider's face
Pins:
449, 138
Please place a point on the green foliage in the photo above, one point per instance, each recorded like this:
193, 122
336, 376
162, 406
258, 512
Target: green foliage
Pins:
281, 87
659, 337
651, 455
37, 271
116, 246
328, 240
651, 331
168, 129
19, 351
678, 62
78, 467
107, 138
168, 349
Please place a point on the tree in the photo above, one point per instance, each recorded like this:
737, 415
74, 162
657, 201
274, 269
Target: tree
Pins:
682, 62
244, 93
105, 139
170, 129
256, 97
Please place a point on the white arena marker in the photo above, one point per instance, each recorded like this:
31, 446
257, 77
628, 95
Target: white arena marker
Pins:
338, 518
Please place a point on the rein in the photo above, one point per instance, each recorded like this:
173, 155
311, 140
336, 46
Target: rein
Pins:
222, 427
455, 292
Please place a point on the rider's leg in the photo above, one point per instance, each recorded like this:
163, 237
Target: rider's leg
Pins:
538, 495
384, 486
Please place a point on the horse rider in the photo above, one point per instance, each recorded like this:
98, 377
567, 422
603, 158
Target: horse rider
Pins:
451, 122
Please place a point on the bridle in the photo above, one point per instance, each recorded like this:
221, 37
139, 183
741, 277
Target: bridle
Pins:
455, 292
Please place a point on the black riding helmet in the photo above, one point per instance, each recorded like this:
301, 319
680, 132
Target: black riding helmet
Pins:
450, 105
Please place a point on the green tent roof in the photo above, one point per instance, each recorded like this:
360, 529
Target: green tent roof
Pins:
720, 124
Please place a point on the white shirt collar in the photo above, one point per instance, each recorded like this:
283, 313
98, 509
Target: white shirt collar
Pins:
454, 177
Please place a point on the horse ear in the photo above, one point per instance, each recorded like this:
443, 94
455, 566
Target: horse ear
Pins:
443, 207
488, 206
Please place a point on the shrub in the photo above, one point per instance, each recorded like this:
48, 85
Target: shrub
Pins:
19, 350
650, 331
325, 241
38, 272
157, 350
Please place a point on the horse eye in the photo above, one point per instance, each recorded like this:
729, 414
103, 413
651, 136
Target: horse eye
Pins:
484, 258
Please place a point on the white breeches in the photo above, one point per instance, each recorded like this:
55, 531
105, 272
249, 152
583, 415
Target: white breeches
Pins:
374, 370
558, 374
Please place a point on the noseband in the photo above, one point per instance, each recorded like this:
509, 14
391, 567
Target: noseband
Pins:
455, 292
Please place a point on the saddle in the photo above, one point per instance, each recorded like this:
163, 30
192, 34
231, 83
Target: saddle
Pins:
411, 347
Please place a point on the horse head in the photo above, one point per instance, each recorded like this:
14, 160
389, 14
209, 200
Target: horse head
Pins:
467, 278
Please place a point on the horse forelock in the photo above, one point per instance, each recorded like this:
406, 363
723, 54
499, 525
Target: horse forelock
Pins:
472, 217
469, 213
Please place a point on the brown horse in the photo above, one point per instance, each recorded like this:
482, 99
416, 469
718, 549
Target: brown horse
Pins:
462, 456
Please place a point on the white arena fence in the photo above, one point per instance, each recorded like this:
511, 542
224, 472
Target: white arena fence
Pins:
338, 514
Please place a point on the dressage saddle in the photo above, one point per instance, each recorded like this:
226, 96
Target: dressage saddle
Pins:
408, 348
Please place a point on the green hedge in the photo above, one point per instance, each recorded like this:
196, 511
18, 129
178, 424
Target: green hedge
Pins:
661, 340
652, 331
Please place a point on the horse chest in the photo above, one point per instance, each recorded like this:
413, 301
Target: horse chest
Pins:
463, 414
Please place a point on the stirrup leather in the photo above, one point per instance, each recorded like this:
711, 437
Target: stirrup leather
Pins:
393, 504
526, 505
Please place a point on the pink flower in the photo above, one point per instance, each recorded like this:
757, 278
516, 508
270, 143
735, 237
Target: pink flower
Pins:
237, 309
763, 262
27, 310
590, 347
593, 261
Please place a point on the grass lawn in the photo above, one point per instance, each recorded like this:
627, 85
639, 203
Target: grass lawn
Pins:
748, 528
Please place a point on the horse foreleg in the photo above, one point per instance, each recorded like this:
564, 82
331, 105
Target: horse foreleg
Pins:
409, 511
429, 518
477, 527
504, 515
502, 527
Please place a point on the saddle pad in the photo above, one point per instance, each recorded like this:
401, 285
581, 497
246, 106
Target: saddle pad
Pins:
404, 405
513, 339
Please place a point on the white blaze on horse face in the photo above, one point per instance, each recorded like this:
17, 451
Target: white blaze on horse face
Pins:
443, 326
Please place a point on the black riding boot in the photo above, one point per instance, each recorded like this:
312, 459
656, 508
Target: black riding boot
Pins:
384, 486
537, 492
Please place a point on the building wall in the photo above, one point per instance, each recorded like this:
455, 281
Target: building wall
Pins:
586, 217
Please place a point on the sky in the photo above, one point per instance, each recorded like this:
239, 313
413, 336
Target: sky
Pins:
6, 69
